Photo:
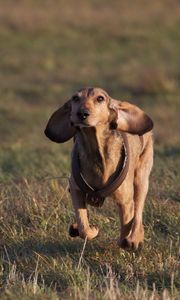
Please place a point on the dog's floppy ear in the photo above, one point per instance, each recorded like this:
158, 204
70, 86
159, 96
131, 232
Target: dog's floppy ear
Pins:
59, 127
129, 118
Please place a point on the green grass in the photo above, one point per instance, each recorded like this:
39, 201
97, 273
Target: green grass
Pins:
48, 50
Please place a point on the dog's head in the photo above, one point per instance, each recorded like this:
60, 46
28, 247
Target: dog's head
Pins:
91, 107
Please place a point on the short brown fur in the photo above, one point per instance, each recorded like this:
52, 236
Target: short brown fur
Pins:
96, 120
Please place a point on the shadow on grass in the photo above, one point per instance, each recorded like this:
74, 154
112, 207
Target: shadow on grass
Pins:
26, 254
55, 249
30, 247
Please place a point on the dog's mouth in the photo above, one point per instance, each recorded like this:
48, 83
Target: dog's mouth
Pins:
80, 124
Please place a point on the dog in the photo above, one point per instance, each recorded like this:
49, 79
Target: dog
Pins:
112, 157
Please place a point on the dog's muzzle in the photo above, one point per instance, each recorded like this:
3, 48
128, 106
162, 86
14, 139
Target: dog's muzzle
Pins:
83, 114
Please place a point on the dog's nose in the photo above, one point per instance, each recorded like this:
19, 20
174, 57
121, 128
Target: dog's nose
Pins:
83, 113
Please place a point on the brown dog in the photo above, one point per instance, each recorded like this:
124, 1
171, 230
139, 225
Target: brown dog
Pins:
112, 156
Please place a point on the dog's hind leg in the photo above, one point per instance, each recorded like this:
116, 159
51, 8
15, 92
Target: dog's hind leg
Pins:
124, 200
141, 185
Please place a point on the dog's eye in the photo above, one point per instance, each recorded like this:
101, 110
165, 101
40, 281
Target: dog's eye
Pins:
75, 98
100, 98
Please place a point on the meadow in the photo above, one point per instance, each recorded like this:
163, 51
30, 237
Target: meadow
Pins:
48, 49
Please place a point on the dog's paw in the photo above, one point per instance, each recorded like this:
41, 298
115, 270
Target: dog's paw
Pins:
133, 240
91, 232
128, 244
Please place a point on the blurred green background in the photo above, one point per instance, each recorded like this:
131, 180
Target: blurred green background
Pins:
48, 49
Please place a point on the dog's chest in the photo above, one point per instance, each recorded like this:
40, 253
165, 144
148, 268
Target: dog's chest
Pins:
99, 165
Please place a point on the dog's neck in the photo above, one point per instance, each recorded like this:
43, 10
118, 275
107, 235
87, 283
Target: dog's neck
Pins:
99, 153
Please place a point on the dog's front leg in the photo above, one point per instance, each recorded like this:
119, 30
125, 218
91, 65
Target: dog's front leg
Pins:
82, 228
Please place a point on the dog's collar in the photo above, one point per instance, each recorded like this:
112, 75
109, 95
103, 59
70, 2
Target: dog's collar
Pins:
93, 196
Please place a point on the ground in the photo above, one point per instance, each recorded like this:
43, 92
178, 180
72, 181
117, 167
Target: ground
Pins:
48, 50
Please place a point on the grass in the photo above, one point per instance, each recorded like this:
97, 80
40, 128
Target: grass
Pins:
48, 50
